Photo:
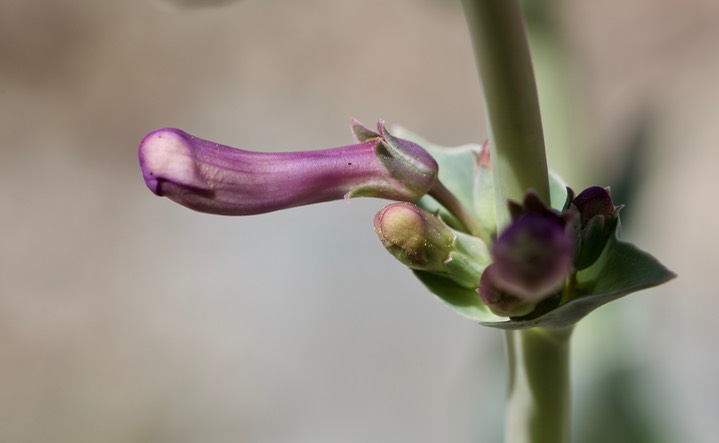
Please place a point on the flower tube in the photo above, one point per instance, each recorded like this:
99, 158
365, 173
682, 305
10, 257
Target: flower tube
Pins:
213, 178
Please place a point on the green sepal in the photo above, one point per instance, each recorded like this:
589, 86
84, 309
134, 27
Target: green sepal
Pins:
592, 240
361, 132
467, 261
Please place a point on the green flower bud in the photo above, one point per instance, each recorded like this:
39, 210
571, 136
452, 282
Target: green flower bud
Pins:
422, 241
415, 237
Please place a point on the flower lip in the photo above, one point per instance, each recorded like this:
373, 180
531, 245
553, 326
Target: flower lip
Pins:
166, 156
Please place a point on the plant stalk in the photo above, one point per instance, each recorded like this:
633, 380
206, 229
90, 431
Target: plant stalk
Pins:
563, 116
539, 387
538, 402
519, 161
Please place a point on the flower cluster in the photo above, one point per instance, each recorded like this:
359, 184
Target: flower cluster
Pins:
541, 248
448, 242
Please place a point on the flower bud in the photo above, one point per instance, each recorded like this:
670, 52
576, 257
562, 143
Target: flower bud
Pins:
415, 237
422, 241
532, 258
598, 220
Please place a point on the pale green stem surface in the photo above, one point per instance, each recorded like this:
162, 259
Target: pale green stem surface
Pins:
566, 133
538, 403
539, 386
500, 43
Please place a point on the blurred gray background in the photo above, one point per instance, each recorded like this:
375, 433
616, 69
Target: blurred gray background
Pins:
126, 318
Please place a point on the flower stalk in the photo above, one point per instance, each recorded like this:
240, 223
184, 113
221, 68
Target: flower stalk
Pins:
440, 193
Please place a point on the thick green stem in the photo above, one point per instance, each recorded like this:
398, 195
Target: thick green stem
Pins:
563, 119
539, 393
538, 399
516, 141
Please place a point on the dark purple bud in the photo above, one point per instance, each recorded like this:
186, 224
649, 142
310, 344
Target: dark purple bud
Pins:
594, 202
598, 219
209, 177
533, 256
498, 301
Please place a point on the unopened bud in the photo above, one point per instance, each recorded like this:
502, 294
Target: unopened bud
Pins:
422, 241
598, 222
415, 237
532, 258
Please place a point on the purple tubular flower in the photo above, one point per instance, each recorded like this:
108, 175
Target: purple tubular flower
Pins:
213, 178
